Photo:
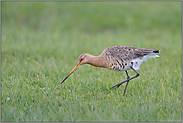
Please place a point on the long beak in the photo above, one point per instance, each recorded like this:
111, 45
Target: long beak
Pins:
77, 65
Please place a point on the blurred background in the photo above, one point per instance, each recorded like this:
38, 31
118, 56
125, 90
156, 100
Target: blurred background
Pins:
71, 28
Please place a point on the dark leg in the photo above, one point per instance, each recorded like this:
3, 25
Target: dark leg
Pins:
117, 85
126, 82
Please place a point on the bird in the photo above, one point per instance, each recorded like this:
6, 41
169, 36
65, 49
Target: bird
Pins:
118, 58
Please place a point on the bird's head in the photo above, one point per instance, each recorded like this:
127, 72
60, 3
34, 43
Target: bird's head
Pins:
83, 59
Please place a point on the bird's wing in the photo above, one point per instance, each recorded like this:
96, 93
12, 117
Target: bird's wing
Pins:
126, 53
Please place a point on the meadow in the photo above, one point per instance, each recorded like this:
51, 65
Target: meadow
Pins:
41, 43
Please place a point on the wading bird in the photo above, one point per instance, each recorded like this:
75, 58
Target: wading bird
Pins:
118, 58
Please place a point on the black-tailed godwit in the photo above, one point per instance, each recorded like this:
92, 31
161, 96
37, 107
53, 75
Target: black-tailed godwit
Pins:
118, 58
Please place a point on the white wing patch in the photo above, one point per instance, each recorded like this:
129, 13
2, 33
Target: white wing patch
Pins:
151, 55
138, 61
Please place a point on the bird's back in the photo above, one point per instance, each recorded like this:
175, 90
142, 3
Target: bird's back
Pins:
120, 58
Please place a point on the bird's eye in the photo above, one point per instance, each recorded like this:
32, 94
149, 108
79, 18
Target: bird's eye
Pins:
81, 59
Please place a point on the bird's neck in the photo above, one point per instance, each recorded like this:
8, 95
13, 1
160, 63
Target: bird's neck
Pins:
97, 61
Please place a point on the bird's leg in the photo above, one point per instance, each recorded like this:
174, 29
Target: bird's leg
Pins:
126, 82
117, 85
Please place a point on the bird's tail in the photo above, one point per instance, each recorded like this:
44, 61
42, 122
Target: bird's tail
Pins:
151, 55
156, 51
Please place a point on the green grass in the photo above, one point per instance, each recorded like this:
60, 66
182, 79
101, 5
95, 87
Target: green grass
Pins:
41, 42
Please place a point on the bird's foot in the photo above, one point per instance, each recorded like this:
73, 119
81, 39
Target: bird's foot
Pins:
114, 87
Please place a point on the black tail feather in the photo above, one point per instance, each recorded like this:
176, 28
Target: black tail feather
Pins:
156, 51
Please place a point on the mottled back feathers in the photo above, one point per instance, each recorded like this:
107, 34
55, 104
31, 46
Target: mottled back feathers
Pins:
120, 58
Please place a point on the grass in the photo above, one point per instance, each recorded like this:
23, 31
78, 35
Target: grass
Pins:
41, 42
